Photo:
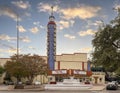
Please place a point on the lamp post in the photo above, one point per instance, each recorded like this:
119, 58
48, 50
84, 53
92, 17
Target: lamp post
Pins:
17, 37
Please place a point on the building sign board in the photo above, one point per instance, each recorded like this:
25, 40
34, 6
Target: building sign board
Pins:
59, 72
79, 72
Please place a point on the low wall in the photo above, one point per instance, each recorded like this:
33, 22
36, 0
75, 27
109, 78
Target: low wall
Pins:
7, 87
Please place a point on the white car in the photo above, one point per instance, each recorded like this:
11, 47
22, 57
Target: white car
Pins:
37, 82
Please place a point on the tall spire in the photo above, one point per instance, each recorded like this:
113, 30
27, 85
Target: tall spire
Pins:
51, 17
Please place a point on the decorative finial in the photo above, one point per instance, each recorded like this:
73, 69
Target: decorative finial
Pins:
52, 11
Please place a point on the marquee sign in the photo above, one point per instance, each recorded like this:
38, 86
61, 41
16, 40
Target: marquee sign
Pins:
79, 72
59, 72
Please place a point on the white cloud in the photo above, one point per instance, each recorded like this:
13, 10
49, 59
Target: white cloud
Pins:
88, 32
82, 12
42, 7
2, 50
21, 4
1, 55
30, 47
7, 46
85, 50
96, 23
7, 11
34, 30
38, 25
72, 22
21, 29
25, 39
6, 37
12, 50
69, 36
65, 24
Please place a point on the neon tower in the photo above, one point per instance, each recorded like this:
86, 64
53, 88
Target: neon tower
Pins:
51, 41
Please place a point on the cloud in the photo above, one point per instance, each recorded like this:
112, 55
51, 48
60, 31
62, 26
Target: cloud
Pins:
1, 50
21, 4
65, 24
37, 23
21, 29
42, 7
7, 46
12, 50
30, 47
82, 12
34, 30
85, 50
69, 36
7, 11
6, 37
88, 32
96, 23
25, 39
1, 55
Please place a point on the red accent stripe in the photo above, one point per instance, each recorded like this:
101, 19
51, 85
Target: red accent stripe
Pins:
82, 65
51, 22
58, 65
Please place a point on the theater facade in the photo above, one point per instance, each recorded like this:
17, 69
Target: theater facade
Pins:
67, 65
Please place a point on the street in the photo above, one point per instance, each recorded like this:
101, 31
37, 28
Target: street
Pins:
59, 91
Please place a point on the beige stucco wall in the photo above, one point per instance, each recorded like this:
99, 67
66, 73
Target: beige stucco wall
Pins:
72, 57
3, 61
100, 77
71, 61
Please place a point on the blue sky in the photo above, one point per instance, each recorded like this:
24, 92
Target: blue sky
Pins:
77, 21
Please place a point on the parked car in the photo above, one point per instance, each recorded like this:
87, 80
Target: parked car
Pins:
87, 82
112, 86
8, 82
37, 82
28, 83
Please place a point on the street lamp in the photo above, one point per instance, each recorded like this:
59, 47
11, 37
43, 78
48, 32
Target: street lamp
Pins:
17, 36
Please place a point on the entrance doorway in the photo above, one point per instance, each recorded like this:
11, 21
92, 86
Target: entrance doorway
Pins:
96, 80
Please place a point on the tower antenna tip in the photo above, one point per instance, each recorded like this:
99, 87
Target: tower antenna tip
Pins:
52, 10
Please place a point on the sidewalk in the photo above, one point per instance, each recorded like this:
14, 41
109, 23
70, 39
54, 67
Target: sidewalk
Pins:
41, 88
29, 87
98, 87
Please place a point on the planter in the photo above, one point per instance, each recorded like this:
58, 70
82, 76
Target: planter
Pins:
19, 86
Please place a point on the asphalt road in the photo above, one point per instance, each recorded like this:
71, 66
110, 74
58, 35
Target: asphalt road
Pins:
80, 91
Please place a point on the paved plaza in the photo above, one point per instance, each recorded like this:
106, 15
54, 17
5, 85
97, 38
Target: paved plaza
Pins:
95, 89
63, 91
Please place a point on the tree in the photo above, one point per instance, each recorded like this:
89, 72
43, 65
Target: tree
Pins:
105, 51
34, 65
14, 68
2, 70
26, 66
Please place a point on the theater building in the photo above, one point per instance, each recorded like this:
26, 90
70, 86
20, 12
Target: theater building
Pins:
67, 65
